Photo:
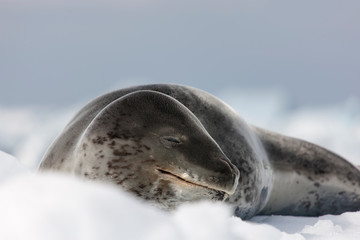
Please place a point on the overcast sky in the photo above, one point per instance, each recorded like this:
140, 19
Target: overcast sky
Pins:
65, 51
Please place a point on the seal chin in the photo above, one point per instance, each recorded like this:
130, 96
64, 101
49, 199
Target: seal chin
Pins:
220, 194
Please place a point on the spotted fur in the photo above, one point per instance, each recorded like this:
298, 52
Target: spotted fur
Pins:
169, 144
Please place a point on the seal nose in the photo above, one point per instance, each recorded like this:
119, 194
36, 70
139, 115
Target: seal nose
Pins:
231, 176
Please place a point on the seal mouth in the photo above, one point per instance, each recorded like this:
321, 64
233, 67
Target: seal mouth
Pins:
220, 193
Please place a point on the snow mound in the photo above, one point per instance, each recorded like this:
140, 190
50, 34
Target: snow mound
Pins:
9, 167
44, 206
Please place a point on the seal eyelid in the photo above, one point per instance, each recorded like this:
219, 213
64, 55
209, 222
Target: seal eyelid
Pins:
170, 141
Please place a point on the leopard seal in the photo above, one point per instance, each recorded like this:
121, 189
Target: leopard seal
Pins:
169, 144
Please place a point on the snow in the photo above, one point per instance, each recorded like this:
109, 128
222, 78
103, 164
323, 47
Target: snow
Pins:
43, 206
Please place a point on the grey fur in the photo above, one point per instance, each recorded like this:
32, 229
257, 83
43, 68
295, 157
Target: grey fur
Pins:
170, 144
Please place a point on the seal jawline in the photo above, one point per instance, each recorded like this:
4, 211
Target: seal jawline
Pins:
170, 174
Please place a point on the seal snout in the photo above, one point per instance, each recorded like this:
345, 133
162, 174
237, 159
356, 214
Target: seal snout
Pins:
229, 176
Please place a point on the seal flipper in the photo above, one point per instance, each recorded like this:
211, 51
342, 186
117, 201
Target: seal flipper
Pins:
308, 179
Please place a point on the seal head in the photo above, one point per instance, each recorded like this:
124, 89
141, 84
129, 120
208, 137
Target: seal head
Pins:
154, 147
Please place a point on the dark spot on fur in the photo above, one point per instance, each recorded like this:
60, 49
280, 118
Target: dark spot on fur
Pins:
319, 171
158, 191
136, 192
247, 192
306, 164
99, 140
317, 184
112, 135
142, 186
170, 194
126, 166
306, 204
121, 181
118, 153
116, 160
84, 146
237, 198
219, 195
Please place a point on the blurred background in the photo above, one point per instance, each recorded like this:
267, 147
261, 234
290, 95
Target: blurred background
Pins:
290, 66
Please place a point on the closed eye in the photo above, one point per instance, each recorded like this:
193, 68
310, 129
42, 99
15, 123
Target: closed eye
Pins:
170, 141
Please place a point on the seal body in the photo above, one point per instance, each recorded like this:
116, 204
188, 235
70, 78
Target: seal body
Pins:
170, 144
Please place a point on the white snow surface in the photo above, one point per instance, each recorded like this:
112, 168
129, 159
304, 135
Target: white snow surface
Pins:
36, 206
